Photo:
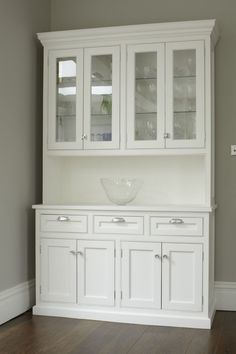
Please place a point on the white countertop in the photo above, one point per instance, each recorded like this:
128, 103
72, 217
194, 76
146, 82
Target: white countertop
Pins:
130, 207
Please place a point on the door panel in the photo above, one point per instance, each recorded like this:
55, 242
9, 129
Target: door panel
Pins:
96, 272
182, 277
141, 275
58, 270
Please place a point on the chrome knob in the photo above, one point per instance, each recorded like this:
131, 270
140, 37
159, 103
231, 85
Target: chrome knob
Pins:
73, 252
166, 135
84, 137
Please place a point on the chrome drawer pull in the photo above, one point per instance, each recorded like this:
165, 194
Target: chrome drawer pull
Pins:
63, 218
165, 256
118, 220
76, 253
157, 256
73, 252
176, 221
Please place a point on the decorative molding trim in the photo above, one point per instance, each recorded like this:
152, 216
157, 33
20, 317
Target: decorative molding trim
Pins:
225, 293
198, 28
16, 300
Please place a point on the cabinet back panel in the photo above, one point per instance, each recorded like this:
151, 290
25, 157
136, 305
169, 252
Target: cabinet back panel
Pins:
166, 180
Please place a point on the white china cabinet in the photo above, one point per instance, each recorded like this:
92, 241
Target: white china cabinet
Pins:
128, 101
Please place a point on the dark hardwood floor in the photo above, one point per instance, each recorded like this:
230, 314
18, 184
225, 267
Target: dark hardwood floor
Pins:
29, 334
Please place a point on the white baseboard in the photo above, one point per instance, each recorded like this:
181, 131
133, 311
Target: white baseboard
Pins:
225, 293
16, 300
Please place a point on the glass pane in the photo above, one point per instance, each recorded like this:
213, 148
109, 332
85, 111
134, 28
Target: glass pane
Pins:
66, 100
184, 92
101, 98
146, 96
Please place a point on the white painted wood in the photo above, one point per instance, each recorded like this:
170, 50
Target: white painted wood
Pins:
16, 300
199, 141
58, 270
141, 275
132, 50
51, 113
96, 272
89, 53
155, 30
118, 224
176, 225
63, 223
182, 277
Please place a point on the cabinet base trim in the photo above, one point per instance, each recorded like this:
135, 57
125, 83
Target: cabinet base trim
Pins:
145, 319
16, 300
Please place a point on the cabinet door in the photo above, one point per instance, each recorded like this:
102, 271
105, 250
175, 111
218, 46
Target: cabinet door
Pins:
182, 277
101, 100
58, 270
141, 275
145, 96
96, 272
185, 95
65, 99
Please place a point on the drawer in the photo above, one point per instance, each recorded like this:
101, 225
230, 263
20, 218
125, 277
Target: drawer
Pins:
180, 226
111, 224
63, 223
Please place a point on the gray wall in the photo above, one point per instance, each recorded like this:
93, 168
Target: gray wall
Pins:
72, 14
20, 134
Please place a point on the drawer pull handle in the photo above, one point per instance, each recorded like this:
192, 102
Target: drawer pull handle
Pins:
118, 220
176, 221
63, 218
73, 252
165, 256
157, 256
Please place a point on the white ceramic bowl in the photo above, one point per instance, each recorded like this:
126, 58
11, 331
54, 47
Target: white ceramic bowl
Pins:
121, 190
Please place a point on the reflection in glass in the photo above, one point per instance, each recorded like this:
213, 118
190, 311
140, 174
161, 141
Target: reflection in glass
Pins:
184, 94
146, 96
101, 98
66, 100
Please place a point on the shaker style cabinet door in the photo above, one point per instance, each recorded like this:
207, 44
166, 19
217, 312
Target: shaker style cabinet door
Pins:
96, 272
145, 96
65, 99
182, 277
141, 275
58, 270
185, 95
101, 98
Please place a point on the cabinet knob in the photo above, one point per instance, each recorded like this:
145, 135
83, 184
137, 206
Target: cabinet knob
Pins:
165, 256
84, 137
63, 218
157, 256
118, 220
79, 253
167, 136
73, 252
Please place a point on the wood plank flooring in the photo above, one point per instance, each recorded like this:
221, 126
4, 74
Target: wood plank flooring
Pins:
29, 334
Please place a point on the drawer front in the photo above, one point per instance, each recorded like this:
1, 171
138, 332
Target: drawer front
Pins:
63, 223
179, 226
130, 225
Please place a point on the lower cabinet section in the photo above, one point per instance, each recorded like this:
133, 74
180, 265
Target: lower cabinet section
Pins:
162, 275
153, 275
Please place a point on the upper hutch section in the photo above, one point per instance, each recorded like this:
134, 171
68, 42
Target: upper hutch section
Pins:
130, 90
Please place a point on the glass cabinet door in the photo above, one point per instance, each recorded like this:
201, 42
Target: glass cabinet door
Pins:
145, 96
101, 101
65, 99
185, 94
